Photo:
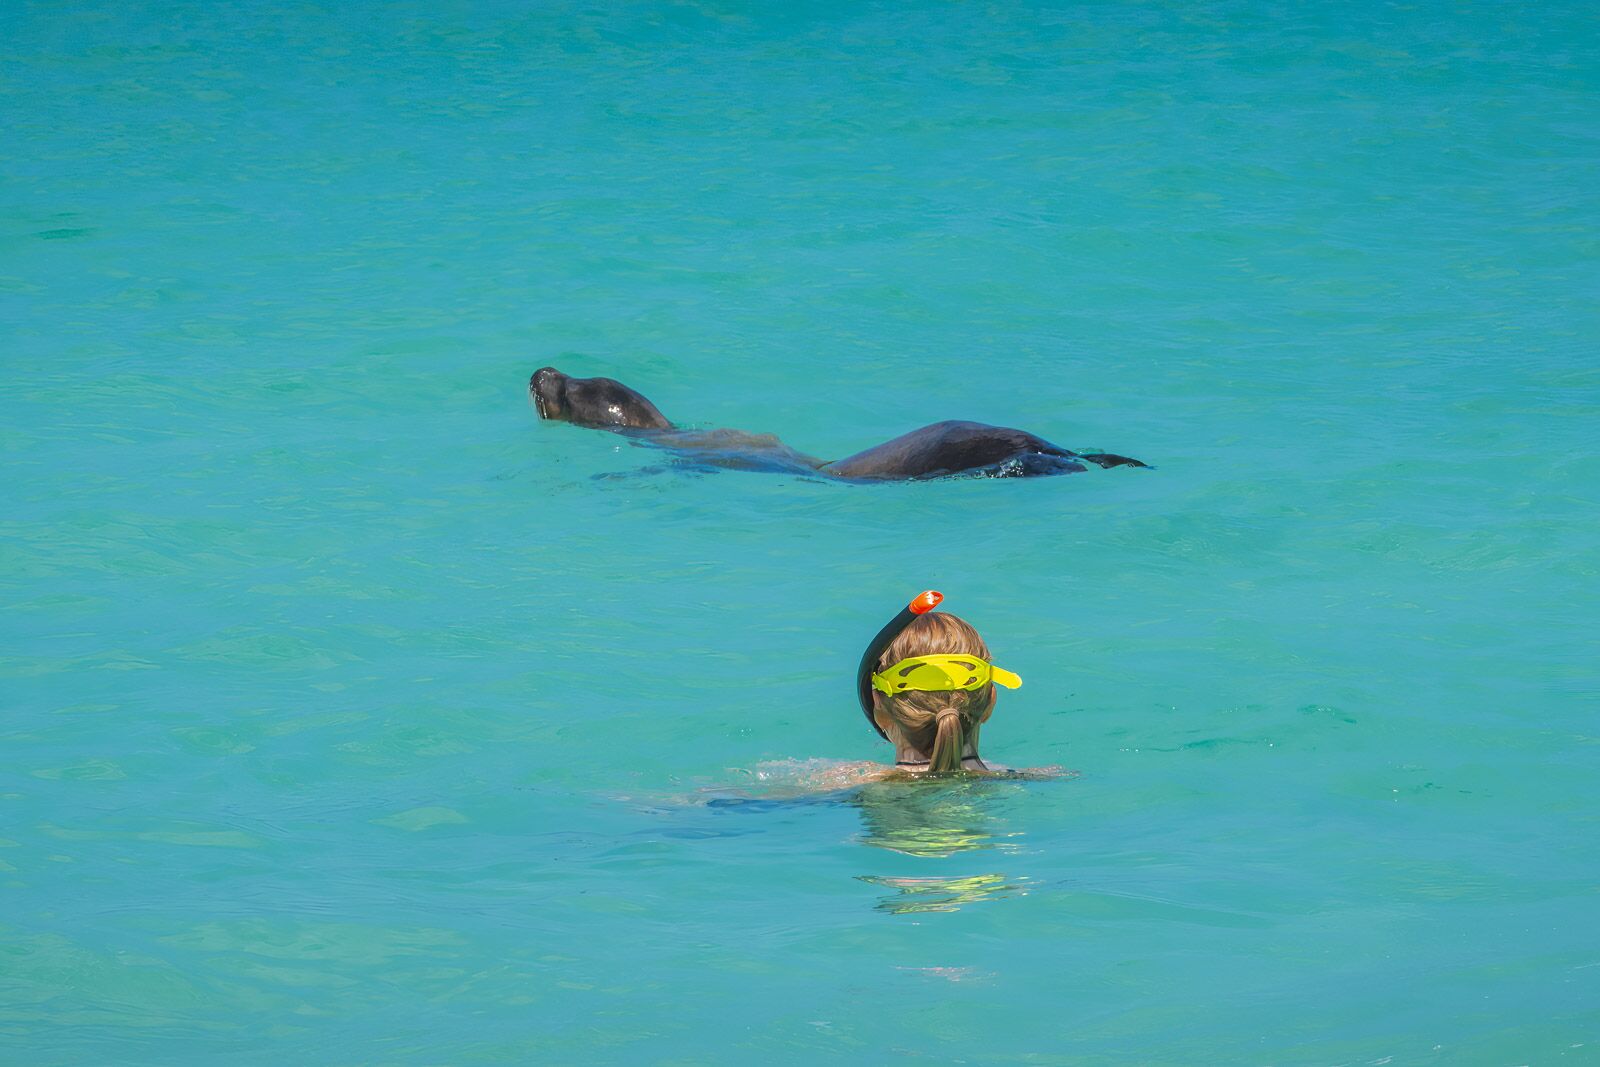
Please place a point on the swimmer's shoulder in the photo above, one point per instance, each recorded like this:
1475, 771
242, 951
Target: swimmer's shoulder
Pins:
1030, 774
851, 774
979, 769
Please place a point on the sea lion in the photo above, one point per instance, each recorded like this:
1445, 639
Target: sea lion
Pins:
937, 451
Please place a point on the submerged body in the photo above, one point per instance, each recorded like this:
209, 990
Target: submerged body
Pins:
953, 447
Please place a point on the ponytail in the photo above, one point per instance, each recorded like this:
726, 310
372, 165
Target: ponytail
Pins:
949, 741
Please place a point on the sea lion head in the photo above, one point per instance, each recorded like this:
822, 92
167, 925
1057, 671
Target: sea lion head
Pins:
602, 403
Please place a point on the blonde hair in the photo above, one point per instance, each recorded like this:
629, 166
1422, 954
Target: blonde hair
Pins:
937, 723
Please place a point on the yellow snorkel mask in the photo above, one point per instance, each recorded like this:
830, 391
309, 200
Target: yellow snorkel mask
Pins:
937, 674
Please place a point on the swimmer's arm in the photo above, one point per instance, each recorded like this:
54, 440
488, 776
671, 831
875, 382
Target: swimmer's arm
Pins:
861, 772
1029, 774
841, 777
849, 775
831, 778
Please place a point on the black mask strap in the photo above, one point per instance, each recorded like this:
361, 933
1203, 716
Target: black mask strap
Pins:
921, 604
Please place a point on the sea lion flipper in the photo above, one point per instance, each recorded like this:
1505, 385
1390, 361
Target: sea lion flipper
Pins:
1107, 460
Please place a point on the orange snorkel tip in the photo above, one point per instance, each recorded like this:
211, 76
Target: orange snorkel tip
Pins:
925, 601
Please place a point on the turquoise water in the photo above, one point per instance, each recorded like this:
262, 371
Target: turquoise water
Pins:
353, 715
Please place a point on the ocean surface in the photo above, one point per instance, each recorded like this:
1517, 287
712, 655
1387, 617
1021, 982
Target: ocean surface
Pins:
350, 714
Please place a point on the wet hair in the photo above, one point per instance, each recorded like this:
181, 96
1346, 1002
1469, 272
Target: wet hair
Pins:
937, 723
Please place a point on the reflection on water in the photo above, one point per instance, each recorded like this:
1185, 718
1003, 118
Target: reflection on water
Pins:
917, 895
932, 818
935, 819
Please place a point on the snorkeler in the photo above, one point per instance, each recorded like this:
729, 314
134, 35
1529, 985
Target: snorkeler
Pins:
926, 684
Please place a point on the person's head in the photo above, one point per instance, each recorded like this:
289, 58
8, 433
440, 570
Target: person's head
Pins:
938, 724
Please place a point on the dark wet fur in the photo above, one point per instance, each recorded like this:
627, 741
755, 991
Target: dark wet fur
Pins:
955, 447
948, 449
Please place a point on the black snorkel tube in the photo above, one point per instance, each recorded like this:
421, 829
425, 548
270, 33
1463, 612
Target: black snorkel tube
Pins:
921, 604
